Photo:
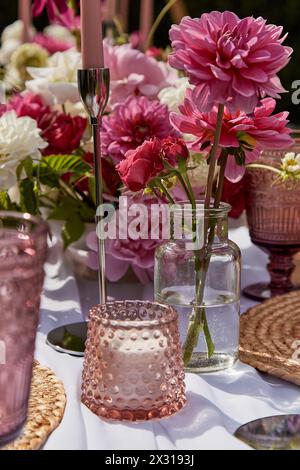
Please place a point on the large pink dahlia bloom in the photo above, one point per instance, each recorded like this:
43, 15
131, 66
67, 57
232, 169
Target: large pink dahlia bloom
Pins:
133, 122
249, 133
230, 61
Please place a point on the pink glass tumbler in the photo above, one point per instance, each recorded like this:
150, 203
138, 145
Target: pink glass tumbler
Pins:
23, 248
133, 368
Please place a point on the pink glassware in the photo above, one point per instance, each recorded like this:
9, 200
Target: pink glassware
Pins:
273, 212
133, 368
23, 248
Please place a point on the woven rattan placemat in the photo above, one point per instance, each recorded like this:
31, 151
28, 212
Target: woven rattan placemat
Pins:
270, 337
46, 409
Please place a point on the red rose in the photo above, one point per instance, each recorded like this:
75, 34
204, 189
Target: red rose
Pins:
141, 165
172, 149
64, 134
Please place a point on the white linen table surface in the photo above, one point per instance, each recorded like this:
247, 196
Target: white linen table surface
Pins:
217, 403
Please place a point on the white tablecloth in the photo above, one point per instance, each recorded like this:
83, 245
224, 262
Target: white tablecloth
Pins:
217, 403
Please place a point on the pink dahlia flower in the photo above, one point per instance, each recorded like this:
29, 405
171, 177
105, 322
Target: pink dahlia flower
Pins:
123, 254
134, 73
230, 61
133, 122
252, 133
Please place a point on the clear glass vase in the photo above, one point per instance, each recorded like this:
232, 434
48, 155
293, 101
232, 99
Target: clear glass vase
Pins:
211, 267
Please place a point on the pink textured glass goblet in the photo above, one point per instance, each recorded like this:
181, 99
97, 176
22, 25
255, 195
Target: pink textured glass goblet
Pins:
23, 248
273, 212
133, 368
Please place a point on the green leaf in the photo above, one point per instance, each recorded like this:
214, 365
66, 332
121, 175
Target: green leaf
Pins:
240, 158
69, 208
28, 167
182, 165
87, 213
61, 164
25, 166
28, 198
19, 171
5, 202
92, 189
46, 176
72, 231
65, 210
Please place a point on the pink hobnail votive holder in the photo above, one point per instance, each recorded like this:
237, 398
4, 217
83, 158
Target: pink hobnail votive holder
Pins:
23, 250
133, 368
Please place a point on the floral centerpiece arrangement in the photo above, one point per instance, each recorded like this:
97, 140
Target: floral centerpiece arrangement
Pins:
175, 130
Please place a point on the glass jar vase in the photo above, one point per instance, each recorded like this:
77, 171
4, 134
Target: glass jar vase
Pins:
202, 282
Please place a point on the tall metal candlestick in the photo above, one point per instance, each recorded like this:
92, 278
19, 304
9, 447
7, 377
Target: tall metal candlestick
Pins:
93, 87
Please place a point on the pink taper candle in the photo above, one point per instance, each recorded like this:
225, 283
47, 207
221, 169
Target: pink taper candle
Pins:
25, 16
91, 34
111, 9
124, 14
147, 15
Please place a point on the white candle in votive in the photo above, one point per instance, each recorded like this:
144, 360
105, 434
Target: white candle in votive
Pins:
134, 368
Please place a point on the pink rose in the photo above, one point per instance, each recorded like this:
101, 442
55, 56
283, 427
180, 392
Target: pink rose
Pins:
65, 134
141, 165
173, 149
